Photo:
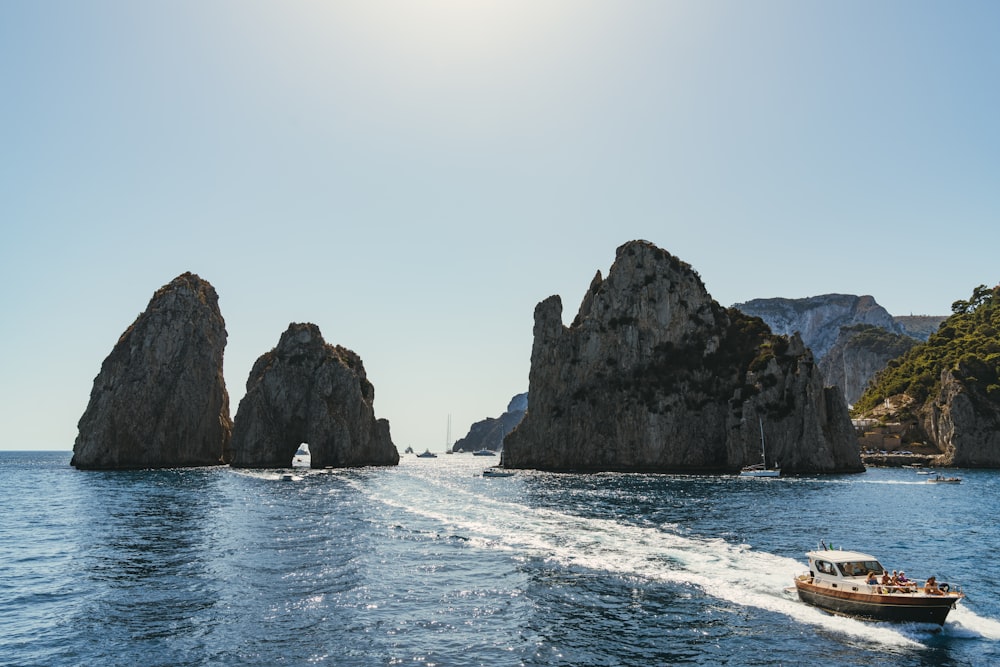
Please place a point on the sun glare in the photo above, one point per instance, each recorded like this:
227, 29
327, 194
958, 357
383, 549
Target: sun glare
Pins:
449, 35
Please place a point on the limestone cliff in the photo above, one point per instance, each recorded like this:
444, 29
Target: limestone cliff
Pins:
818, 319
654, 375
305, 390
919, 326
861, 351
489, 433
160, 399
964, 423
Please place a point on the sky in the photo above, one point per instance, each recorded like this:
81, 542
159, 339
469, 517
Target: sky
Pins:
415, 176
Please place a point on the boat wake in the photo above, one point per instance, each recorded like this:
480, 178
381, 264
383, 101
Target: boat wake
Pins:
963, 622
734, 573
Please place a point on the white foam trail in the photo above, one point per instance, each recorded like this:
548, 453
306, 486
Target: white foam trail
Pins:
734, 573
963, 622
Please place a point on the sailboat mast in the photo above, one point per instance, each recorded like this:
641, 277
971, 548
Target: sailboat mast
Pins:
447, 438
763, 457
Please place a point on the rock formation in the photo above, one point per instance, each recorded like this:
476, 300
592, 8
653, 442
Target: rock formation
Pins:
489, 433
861, 351
964, 423
305, 390
654, 375
818, 319
160, 399
919, 326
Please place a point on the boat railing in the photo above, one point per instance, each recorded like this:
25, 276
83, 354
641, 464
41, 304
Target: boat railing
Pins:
911, 589
884, 589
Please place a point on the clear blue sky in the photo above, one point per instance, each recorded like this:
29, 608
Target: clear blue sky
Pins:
415, 176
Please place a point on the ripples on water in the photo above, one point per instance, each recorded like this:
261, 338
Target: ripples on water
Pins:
429, 563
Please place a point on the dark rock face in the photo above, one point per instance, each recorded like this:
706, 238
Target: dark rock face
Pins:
160, 399
306, 390
489, 433
654, 375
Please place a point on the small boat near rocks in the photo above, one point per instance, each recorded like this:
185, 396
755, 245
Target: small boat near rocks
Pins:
941, 479
427, 454
760, 469
837, 582
497, 472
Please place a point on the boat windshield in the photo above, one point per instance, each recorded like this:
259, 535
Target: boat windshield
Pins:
860, 568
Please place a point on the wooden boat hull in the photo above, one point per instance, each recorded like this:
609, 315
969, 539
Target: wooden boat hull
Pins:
899, 607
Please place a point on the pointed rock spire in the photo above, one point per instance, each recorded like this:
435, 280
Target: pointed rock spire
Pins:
160, 398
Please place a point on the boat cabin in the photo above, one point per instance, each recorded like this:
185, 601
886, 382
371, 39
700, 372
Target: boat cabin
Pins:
834, 565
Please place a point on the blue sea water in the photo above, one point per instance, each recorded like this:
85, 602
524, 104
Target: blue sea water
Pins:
429, 563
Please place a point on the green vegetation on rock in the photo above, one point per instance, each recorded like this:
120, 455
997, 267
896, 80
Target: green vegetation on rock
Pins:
967, 344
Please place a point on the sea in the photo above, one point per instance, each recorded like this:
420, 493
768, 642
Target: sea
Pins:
429, 563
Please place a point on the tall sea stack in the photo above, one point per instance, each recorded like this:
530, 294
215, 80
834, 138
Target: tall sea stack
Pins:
654, 375
308, 391
160, 398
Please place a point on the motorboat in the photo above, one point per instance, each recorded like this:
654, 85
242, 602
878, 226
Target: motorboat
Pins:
497, 472
303, 457
428, 454
941, 479
484, 452
837, 582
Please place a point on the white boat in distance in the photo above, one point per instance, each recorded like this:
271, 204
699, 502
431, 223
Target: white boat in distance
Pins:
941, 479
760, 469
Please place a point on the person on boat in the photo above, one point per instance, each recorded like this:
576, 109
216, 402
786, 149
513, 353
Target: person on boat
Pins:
886, 579
906, 584
931, 587
872, 579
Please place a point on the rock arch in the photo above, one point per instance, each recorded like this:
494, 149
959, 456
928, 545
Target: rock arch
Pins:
308, 391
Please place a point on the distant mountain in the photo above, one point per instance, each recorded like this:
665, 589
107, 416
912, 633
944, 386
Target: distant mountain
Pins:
818, 319
852, 337
490, 432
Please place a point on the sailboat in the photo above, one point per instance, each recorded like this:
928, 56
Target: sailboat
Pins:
447, 439
760, 469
